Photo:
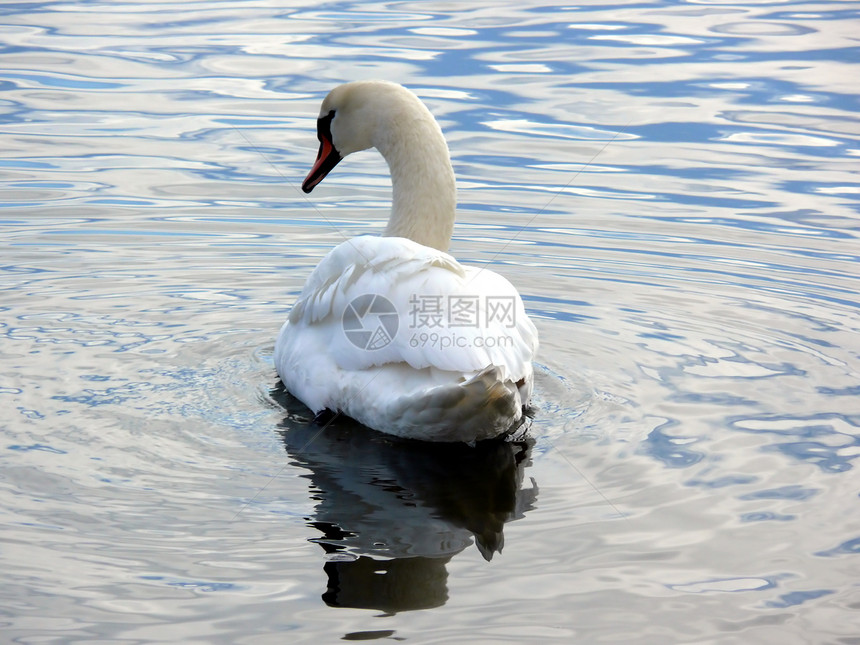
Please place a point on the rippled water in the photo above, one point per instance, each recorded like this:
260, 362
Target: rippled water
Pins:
671, 186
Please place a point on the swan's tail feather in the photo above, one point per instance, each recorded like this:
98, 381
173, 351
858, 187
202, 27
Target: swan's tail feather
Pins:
481, 407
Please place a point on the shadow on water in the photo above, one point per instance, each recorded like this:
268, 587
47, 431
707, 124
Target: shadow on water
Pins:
393, 512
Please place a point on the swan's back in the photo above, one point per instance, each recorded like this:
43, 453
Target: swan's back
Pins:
459, 356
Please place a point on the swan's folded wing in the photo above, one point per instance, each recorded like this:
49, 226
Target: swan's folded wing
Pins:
383, 300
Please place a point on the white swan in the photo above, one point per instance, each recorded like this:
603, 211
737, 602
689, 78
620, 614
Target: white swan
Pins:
392, 331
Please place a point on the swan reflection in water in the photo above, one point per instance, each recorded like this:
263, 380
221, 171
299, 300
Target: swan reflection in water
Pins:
393, 512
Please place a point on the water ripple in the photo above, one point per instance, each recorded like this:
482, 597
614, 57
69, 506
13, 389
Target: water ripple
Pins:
672, 187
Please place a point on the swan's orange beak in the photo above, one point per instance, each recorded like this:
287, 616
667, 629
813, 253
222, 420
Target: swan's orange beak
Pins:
327, 157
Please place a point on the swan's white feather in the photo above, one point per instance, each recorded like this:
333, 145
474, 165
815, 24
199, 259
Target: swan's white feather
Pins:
418, 383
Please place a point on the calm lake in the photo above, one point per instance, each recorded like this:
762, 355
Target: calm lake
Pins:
672, 187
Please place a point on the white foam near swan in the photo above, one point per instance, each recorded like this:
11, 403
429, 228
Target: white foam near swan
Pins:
392, 331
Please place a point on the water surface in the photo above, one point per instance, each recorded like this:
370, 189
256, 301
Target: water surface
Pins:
671, 186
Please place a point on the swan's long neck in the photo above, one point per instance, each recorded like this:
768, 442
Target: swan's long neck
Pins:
424, 195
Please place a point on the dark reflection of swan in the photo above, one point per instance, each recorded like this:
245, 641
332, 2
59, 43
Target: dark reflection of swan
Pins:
393, 512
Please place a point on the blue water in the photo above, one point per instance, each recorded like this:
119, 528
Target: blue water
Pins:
672, 186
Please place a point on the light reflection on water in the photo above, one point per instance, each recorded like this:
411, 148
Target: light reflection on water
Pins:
672, 187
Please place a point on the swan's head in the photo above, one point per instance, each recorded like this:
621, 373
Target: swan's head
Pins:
357, 116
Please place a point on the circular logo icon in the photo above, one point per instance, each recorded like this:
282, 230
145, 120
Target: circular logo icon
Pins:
370, 321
